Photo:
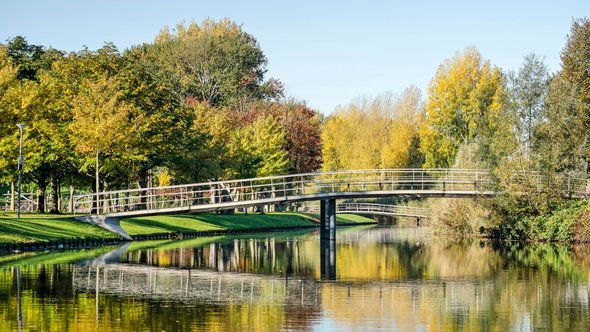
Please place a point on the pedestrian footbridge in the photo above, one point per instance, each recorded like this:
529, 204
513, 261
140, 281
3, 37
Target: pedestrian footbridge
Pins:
105, 208
320, 186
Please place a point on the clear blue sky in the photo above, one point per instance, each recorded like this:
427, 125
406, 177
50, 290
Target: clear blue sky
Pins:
326, 52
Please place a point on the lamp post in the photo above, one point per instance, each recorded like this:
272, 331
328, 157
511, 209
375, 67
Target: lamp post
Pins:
21, 162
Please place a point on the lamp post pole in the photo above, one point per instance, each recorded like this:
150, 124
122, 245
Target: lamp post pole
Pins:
21, 163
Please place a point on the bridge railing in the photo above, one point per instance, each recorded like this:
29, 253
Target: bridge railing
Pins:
569, 185
375, 208
268, 189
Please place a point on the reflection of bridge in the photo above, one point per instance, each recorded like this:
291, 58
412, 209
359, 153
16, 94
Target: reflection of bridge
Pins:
191, 284
222, 195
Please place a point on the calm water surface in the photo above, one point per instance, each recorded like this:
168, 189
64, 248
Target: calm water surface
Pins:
385, 279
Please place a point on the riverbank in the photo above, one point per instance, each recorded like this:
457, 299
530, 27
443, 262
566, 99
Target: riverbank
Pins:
48, 228
566, 221
38, 231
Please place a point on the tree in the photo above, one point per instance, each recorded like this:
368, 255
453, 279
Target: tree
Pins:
8, 112
268, 142
569, 101
465, 104
102, 124
215, 62
301, 126
353, 137
25, 101
401, 150
30, 59
527, 93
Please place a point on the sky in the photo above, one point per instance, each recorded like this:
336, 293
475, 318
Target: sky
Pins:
327, 53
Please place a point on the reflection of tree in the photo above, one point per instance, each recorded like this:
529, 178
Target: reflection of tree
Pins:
265, 256
386, 280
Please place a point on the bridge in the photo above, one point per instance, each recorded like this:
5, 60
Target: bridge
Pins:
223, 195
325, 187
377, 210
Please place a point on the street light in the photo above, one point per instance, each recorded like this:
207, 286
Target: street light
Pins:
21, 162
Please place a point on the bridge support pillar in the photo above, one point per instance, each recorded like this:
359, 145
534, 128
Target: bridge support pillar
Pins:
328, 239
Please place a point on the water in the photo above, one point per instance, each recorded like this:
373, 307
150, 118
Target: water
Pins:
385, 279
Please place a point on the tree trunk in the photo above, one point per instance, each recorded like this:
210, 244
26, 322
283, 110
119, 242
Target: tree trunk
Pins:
43, 181
54, 204
41, 200
12, 196
95, 201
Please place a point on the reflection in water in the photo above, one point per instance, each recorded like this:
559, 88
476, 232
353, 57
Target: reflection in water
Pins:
328, 259
393, 279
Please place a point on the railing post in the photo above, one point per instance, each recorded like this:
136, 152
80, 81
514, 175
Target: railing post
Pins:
71, 204
323, 232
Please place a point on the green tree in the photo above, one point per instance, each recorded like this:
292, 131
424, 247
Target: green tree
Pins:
527, 93
164, 136
26, 101
8, 113
215, 62
575, 82
268, 142
30, 59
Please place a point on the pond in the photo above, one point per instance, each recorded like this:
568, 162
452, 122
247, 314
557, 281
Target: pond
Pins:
396, 279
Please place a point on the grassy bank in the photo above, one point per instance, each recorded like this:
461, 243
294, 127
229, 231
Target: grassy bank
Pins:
45, 228
191, 223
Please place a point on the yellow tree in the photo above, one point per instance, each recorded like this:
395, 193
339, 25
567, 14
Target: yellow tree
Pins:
353, 137
401, 150
103, 124
465, 104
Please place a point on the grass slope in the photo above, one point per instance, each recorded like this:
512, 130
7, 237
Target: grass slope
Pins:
42, 228
210, 222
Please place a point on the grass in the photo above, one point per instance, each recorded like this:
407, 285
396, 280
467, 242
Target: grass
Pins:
171, 244
211, 222
45, 228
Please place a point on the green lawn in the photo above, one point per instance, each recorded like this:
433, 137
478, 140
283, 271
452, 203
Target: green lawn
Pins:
210, 222
43, 228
